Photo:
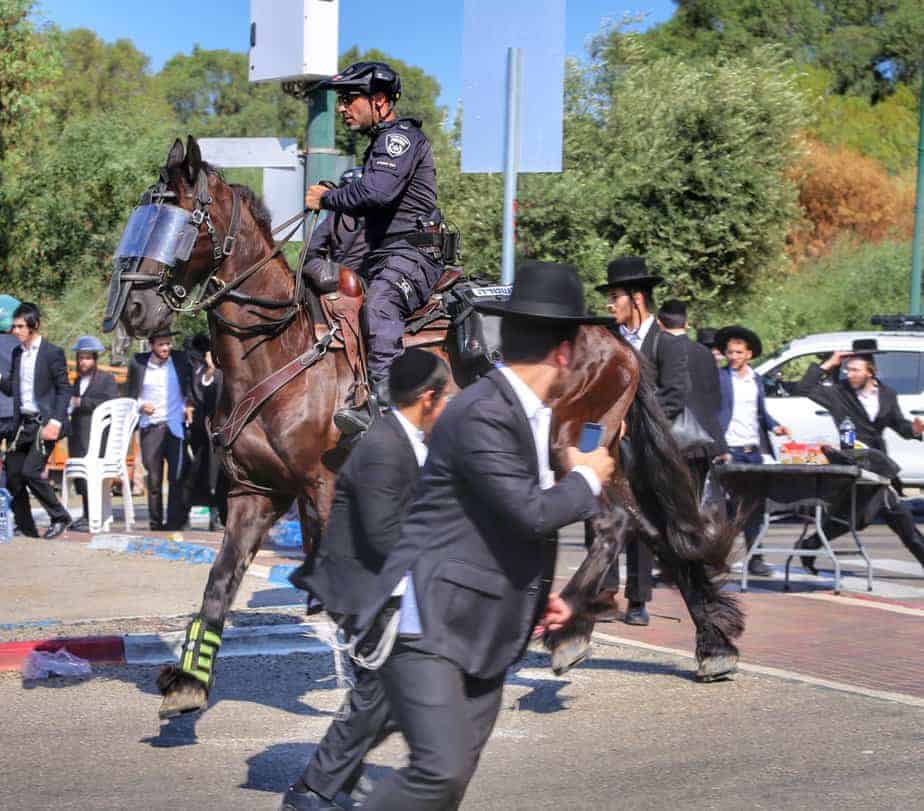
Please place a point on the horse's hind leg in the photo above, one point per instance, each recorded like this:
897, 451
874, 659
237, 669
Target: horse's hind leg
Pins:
186, 686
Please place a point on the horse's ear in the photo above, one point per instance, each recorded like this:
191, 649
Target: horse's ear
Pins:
175, 155
193, 158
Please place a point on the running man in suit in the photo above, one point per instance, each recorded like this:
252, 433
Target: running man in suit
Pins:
477, 550
92, 388
40, 390
374, 491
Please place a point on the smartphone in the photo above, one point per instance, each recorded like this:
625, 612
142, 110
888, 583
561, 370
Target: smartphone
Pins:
591, 436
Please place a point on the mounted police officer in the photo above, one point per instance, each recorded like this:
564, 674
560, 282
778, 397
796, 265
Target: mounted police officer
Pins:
397, 197
340, 239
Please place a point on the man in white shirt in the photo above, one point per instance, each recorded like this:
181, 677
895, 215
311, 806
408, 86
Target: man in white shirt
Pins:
373, 492
744, 418
161, 381
40, 390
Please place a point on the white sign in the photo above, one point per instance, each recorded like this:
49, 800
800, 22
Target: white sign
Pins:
293, 39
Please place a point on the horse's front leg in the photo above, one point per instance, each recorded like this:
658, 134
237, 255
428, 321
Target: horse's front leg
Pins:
186, 686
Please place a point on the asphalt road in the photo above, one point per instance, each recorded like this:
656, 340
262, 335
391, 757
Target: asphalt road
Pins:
628, 730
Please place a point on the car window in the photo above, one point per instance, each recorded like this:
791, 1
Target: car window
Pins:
781, 380
900, 370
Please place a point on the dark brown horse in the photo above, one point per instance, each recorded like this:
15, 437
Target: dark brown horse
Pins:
282, 449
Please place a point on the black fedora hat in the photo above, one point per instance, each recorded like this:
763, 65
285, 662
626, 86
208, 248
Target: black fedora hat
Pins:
162, 332
628, 271
545, 291
736, 331
706, 336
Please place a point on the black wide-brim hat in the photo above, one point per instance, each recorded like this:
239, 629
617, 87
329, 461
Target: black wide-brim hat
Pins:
736, 331
628, 271
163, 332
706, 337
545, 291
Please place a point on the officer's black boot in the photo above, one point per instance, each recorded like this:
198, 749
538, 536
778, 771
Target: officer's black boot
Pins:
352, 421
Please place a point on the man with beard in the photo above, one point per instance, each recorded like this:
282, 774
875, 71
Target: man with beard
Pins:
397, 197
872, 406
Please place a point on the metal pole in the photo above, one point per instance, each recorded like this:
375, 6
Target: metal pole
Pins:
918, 215
320, 161
511, 161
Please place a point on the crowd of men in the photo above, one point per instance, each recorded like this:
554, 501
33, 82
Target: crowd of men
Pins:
40, 405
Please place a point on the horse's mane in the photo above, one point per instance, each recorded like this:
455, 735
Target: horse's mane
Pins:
258, 209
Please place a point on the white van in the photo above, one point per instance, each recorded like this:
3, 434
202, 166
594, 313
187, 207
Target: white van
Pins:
900, 364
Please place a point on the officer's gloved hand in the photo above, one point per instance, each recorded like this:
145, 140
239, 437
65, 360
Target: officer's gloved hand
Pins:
323, 274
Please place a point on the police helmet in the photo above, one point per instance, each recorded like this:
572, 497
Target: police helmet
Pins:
367, 78
351, 175
88, 343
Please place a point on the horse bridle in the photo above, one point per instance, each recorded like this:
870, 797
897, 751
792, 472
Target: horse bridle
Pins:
175, 296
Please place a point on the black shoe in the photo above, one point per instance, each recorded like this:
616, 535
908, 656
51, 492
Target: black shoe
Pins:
809, 564
636, 614
26, 533
758, 568
156, 526
57, 528
80, 525
350, 421
307, 801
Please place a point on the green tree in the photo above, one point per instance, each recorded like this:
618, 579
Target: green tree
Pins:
210, 95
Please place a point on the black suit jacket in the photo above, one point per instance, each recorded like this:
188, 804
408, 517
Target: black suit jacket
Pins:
51, 387
667, 364
374, 490
481, 536
704, 397
139, 363
840, 400
102, 387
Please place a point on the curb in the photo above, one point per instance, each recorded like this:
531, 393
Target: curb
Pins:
157, 649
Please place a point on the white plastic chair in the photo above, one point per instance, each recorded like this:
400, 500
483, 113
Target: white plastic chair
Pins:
120, 416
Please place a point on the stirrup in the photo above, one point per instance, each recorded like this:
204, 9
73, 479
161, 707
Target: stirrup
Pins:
352, 421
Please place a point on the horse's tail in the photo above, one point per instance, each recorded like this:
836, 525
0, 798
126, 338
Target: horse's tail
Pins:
662, 484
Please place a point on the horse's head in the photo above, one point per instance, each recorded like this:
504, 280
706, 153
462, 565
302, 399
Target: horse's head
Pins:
174, 241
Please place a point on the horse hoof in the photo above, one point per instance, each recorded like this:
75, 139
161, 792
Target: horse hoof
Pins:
570, 653
717, 668
183, 696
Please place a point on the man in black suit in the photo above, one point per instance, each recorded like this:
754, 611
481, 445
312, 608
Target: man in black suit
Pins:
374, 491
477, 551
630, 298
40, 390
703, 398
161, 382
872, 406
92, 388
8, 343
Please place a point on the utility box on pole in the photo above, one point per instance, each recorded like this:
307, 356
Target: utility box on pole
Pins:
293, 39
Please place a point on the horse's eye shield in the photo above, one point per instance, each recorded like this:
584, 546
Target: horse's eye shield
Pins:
162, 233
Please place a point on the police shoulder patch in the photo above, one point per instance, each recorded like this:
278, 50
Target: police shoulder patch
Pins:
396, 144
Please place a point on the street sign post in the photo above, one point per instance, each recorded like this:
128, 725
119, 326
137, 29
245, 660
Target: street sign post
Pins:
524, 40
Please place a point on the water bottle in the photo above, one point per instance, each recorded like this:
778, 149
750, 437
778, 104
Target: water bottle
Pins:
6, 516
848, 433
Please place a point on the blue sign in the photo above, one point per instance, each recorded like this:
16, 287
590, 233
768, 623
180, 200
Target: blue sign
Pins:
491, 28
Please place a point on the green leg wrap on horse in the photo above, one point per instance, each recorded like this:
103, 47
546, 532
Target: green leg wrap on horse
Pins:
197, 657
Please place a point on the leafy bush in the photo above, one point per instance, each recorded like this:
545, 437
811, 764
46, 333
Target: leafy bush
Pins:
841, 291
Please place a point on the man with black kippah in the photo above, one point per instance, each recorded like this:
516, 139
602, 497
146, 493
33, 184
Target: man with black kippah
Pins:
373, 493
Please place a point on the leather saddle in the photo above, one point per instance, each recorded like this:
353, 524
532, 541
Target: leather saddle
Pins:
342, 310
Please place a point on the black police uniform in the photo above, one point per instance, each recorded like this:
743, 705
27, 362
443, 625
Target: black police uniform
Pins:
341, 239
396, 193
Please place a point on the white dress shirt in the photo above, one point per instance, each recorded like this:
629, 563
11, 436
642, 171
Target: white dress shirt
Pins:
540, 421
409, 623
27, 404
870, 402
637, 337
744, 429
161, 388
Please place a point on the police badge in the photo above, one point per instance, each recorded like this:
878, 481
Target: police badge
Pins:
396, 144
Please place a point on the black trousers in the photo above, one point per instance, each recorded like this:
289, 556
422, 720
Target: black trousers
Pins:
752, 527
25, 462
897, 515
639, 563
160, 447
446, 717
337, 762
